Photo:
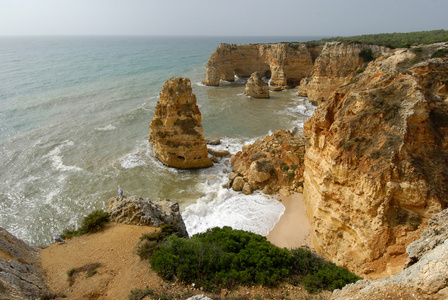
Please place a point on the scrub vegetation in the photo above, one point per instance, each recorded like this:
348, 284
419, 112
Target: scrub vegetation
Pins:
392, 40
225, 258
94, 222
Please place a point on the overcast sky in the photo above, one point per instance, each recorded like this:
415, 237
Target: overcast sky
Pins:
223, 17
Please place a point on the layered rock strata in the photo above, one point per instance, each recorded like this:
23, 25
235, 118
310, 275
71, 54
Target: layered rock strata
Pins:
269, 164
21, 276
176, 133
337, 65
135, 210
256, 87
376, 163
284, 63
425, 278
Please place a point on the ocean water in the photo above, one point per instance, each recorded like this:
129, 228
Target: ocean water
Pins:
74, 117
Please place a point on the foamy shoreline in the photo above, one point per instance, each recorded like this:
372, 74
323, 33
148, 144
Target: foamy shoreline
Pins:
293, 229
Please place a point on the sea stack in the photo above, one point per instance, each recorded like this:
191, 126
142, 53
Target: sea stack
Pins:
256, 87
176, 133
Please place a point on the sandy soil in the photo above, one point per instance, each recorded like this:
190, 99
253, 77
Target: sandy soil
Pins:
293, 229
105, 265
120, 268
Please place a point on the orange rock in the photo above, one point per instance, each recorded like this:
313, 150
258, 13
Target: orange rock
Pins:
375, 165
285, 63
176, 133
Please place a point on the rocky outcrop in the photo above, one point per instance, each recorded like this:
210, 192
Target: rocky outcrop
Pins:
434, 235
338, 64
269, 164
20, 274
285, 63
376, 164
256, 87
425, 278
135, 210
176, 133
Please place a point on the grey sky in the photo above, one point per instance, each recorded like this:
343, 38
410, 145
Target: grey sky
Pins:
223, 17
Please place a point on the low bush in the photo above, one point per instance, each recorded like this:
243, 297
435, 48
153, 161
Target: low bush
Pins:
328, 277
440, 53
94, 222
225, 258
221, 257
366, 55
150, 242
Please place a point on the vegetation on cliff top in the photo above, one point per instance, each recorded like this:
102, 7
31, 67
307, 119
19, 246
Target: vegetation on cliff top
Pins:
391, 40
226, 258
94, 222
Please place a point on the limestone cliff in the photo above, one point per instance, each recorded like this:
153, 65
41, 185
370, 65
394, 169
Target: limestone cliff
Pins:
337, 65
425, 278
376, 165
284, 63
269, 164
21, 276
176, 132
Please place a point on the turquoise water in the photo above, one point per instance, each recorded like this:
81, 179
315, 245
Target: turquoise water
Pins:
74, 117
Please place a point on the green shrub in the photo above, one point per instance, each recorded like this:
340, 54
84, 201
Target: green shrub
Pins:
150, 242
94, 222
225, 258
89, 269
328, 277
138, 294
439, 53
50, 296
221, 257
366, 55
285, 168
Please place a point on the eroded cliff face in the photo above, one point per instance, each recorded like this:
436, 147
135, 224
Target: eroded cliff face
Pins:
425, 277
376, 165
285, 63
337, 65
21, 276
176, 133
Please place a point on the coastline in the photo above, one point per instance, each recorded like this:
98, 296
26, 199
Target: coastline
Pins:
293, 229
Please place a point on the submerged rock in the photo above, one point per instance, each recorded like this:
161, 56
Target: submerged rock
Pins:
20, 274
176, 133
143, 211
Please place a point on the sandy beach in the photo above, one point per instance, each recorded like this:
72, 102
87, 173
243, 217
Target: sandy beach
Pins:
293, 229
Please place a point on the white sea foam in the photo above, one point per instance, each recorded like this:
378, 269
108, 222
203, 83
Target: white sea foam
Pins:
106, 128
256, 213
220, 206
133, 160
304, 108
55, 156
138, 157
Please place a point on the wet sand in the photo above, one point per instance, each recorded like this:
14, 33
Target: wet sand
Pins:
293, 229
